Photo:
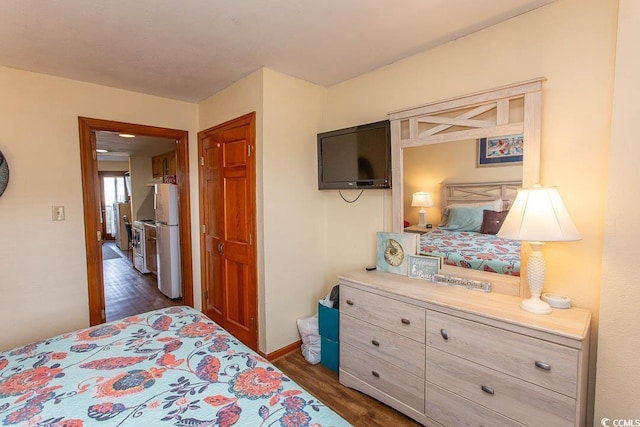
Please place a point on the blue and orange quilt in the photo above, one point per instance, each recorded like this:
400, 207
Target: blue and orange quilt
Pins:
171, 367
477, 251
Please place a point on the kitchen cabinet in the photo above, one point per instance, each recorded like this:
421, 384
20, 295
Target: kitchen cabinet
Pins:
164, 164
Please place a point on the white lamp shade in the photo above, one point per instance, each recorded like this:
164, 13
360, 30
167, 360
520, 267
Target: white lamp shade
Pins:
538, 214
422, 199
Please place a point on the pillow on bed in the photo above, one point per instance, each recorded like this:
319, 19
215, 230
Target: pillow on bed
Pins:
492, 221
464, 219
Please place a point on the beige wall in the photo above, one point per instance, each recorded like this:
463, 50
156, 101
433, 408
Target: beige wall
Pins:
113, 166
570, 42
561, 42
291, 213
294, 210
141, 171
618, 379
43, 275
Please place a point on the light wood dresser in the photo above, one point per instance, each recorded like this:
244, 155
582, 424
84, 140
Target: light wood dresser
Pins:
449, 356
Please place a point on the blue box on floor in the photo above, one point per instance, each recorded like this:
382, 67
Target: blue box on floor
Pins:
330, 353
329, 322
329, 328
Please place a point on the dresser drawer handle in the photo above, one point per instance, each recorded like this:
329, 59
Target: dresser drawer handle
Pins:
375, 374
487, 389
350, 302
405, 321
543, 365
444, 334
375, 342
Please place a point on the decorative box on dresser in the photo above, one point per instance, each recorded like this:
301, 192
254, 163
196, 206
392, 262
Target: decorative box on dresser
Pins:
456, 357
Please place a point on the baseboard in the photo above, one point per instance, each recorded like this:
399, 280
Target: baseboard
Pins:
274, 355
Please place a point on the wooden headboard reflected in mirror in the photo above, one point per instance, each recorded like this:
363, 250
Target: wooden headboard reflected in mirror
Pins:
509, 110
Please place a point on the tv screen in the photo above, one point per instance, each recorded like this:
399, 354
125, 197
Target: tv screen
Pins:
358, 157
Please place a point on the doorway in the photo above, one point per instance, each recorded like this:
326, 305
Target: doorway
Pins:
126, 170
112, 190
92, 206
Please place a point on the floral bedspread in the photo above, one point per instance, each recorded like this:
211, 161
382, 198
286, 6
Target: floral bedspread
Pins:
171, 367
473, 250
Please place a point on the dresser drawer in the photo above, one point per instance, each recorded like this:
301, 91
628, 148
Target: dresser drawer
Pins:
449, 409
546, 364
395, 316
388, 346
527, 403
385, 377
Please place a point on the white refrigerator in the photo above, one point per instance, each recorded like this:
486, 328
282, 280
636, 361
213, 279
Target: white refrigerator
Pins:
168, 240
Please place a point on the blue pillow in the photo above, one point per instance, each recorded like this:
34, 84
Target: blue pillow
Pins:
464, 219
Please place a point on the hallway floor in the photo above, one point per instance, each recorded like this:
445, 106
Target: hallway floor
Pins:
127, 291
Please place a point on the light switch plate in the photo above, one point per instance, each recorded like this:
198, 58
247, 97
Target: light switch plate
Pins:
57, 213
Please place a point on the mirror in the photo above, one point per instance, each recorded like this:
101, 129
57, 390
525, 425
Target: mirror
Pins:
440, 130
427, 167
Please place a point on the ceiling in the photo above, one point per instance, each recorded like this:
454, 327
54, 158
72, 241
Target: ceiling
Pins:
189, 50
120, 149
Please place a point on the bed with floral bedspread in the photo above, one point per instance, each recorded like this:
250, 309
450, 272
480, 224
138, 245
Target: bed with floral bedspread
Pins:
468, 249
171, 367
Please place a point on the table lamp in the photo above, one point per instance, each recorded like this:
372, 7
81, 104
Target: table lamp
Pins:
537, 216
422, 200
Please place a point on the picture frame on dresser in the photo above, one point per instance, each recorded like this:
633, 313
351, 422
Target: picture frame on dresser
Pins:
424, 267
393, 251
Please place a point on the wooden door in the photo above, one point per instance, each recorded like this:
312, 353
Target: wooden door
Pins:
227, 212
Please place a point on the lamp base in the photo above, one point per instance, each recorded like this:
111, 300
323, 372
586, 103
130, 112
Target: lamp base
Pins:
422, 218
535, 305
535, 276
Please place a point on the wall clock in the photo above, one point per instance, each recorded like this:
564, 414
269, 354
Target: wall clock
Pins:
4, 173
394, 250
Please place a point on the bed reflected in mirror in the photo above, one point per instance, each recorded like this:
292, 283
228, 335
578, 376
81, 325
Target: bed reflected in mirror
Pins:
469, 204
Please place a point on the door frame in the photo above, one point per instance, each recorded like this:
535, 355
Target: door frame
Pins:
91, 204
250, 120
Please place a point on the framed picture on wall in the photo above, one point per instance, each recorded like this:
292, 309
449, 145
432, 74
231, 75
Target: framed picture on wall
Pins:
500, 151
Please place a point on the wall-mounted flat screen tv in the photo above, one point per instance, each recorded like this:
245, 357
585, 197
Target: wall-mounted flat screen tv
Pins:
358, 157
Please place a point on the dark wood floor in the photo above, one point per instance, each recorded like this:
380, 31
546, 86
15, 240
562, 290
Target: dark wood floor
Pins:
355, 407
127, 291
